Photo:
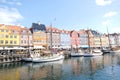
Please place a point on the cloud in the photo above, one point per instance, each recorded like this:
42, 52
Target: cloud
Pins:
110, 14
9, 15
103, 2
14, 2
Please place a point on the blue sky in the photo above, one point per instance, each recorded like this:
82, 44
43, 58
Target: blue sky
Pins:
63, 14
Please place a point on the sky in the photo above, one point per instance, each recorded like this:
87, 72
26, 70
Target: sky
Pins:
98, 15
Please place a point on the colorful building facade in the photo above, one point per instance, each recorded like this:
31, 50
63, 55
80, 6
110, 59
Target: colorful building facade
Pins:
9, 36
26, 38
39, 35
53, 37
65, 39
74, 39
83, 39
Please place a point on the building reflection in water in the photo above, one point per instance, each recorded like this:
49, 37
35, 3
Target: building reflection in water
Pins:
45, 71
70, 69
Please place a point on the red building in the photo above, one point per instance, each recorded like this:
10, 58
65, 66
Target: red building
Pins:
74, 39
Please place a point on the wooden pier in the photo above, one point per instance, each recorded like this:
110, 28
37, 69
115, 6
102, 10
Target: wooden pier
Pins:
12, 58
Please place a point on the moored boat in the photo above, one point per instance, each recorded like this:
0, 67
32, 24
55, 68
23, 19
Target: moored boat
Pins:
54, 57
95, 52
31, 55
76, 54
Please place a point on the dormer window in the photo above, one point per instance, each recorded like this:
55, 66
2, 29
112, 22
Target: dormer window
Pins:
23, 31
15, 31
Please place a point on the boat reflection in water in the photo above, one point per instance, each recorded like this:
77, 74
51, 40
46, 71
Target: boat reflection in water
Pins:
106, 67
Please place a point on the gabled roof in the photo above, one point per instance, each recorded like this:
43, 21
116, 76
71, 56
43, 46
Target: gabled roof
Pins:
82, 31
48, 29
1, 25
13, 27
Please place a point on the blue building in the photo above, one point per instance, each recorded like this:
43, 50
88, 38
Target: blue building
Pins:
65, 39
83, 39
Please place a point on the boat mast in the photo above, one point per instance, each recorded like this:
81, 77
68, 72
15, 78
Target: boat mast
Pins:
100, 42
51, 37
76, 45
28, 42
88, 40
108, 38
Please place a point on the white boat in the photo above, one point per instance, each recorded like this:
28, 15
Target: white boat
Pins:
74, 54
95, 52
92, 52
54, 57
27, 59
50, 58
77, 54
31, 55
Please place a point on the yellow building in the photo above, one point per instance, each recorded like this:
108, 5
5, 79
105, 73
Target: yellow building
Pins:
97, 42
39, 39
104, 41
39, 35
9, 35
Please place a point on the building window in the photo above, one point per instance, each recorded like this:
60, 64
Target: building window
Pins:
11, 36
1, 36
7, 30
15, 42
6, 36
21, 36
11, 42
24, 31
22, 41
2, 30
1, 41
6, 42
30, 41
15, 31
15, 36
25, 41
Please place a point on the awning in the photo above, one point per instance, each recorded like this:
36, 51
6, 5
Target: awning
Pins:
1, 48
39, 47
65, 47
84, 46
55, 47
14, 48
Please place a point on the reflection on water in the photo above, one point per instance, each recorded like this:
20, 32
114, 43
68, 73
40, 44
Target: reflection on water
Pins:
105, 67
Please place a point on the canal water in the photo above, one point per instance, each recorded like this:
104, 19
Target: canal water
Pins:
106, 67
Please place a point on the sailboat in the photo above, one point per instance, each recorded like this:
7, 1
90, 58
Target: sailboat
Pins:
50, 58
92, 52
31, 53
107, 50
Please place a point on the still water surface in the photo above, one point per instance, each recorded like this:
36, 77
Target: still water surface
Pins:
106, 67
